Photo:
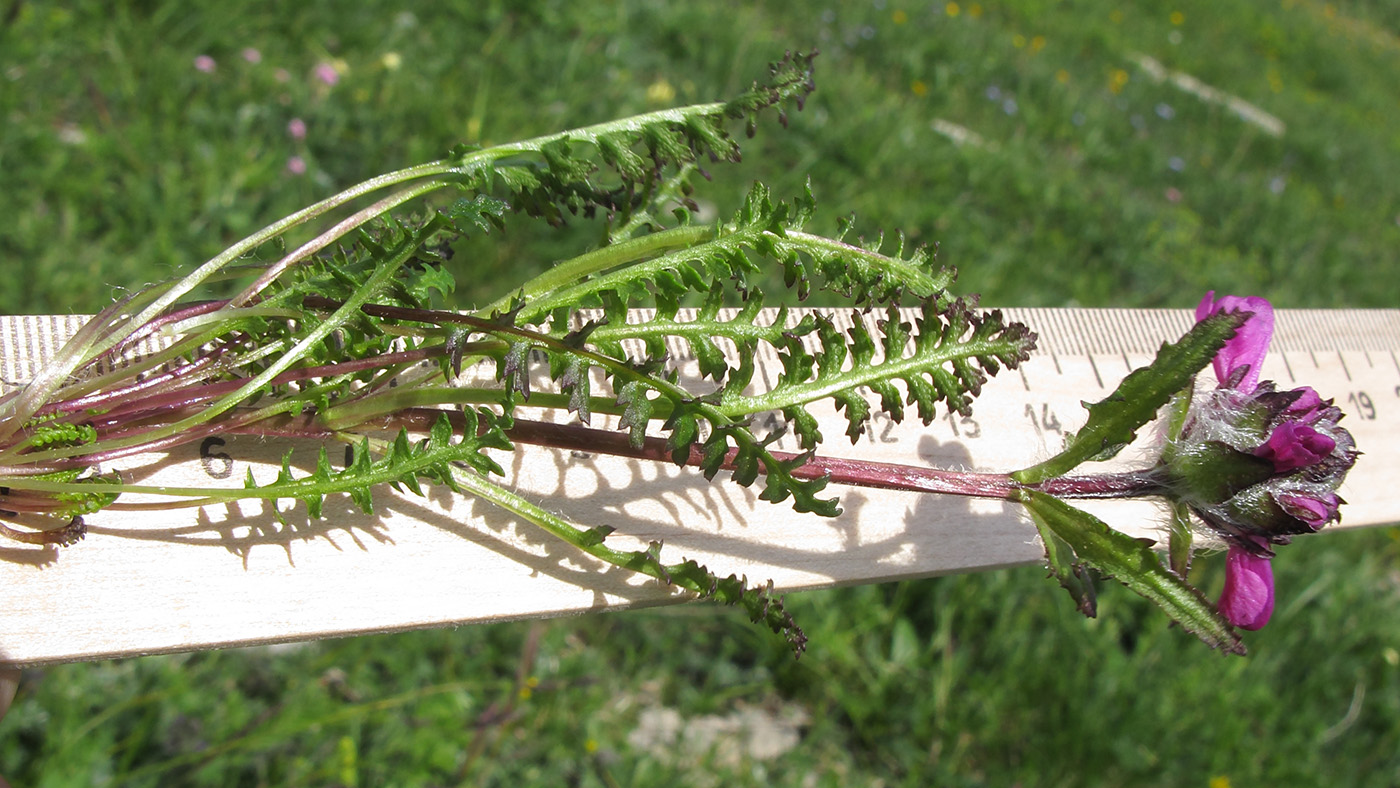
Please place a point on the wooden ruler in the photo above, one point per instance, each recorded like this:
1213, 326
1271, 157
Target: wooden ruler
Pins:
236, 575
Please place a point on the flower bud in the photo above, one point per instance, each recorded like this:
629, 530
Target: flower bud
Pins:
1262, 466
1317, 509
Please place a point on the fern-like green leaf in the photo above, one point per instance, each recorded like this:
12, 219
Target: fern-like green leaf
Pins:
952, 352
405, 464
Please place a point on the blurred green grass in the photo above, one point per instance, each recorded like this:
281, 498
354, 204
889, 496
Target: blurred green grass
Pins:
1094, 185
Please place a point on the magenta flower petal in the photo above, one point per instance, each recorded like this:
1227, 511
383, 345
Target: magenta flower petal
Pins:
1249, 345
1316, 510
1295, 445
1248, 598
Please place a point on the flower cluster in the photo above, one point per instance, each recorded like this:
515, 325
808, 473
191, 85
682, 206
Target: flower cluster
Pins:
1257, 465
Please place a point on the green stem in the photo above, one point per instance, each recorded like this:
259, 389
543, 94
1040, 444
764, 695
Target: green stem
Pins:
572, 271
558, 526
759, 603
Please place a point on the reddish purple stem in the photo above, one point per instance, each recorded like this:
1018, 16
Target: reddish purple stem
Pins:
859, 473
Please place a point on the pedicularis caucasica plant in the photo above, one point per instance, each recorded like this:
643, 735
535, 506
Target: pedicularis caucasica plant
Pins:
339, 340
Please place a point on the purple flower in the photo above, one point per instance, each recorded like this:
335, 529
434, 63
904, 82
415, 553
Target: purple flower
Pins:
296, 127
205, 64
1257, 465
296, 165
1293, 445
1248, 598
1244, 354
252, 55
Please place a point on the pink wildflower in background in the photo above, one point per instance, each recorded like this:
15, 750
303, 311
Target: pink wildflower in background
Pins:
282, 75
296, 165
297, 128
327, 73
205, 64
252, 55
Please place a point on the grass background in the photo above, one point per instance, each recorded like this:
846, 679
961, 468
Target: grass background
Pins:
1094, 185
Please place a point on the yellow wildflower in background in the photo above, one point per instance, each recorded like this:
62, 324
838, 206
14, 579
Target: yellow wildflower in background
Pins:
660, 92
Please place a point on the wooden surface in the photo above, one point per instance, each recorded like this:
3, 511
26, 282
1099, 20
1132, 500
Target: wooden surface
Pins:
233, 575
